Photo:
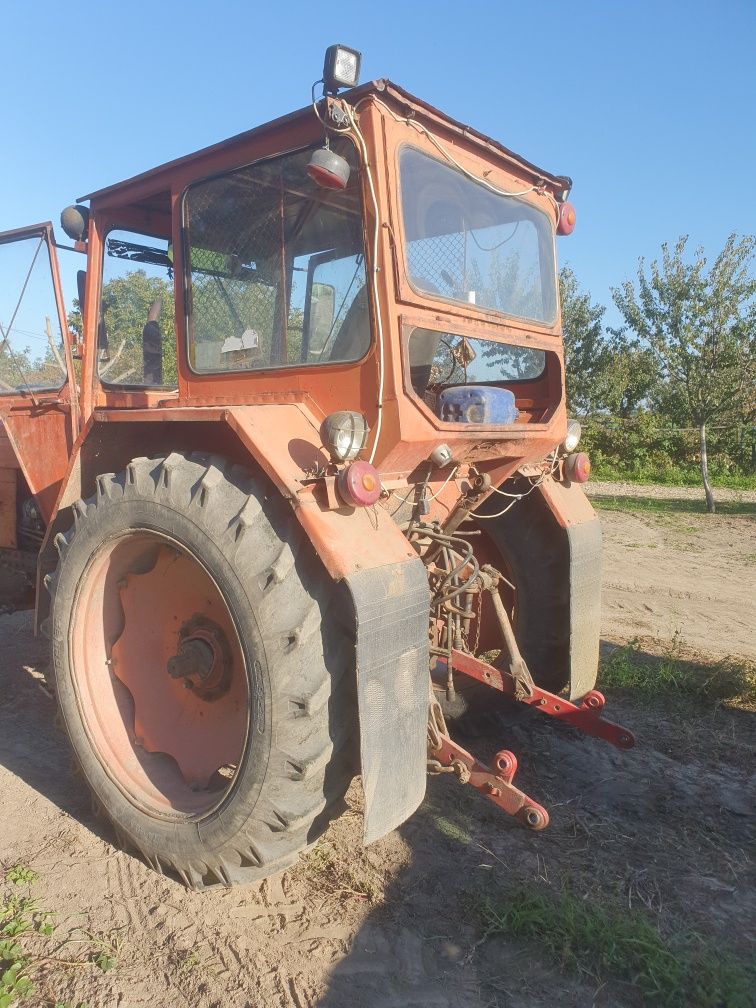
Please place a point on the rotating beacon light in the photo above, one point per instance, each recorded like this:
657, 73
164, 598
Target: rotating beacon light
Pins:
341, 69
328, 169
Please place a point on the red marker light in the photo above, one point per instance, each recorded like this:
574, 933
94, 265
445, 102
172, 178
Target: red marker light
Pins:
359, 484
566, 222
577, 467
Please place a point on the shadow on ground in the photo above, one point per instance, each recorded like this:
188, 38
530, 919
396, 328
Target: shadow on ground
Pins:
664, 828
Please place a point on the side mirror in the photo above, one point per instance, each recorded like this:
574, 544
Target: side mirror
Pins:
321, 317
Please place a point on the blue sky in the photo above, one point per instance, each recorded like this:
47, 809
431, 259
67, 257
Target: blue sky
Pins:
650, 107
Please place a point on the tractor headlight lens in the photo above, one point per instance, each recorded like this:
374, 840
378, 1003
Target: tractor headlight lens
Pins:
341, 68
572, 438
344, 434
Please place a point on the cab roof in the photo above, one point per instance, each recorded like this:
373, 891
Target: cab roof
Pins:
384, 88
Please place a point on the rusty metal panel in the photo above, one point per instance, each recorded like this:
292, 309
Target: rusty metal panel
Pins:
284, 440
8, 458
8, 482
41, 442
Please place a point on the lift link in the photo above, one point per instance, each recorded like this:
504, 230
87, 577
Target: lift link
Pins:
518, 670
446, 756
584, 715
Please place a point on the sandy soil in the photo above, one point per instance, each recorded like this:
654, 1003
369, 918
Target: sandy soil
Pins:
688, 578
666, 827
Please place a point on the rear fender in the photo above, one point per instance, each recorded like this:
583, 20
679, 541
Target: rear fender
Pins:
582, 543
362, 546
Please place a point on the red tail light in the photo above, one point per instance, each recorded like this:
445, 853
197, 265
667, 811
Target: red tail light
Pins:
566, 222
359, 484
577, 467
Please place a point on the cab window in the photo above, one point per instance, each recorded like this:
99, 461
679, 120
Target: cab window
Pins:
136, 339
276, 268
31, 344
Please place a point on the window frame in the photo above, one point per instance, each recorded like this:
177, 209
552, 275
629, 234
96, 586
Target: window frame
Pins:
550, 379
43, 233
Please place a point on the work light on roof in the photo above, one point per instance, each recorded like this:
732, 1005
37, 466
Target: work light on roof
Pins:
341, 68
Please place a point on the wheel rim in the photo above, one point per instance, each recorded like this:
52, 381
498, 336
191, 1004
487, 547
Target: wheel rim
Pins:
159, 675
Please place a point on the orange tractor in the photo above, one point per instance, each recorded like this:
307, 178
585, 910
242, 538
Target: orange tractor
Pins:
292, 485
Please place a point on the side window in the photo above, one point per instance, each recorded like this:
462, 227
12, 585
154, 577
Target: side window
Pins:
276, 268
334, 307
31, 344
136, 341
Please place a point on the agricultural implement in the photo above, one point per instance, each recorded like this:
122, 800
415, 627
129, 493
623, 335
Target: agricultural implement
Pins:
291, 484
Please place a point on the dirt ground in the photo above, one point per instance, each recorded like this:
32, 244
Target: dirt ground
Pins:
665, 827
690, 577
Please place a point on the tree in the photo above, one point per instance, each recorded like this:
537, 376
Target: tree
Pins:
605, 371
585, 350
700, 326
126, 303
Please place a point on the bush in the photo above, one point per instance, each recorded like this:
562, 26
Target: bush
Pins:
646, 450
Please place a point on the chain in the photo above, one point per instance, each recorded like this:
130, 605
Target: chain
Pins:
478, 622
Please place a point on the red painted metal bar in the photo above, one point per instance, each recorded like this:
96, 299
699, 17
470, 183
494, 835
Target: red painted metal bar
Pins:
496, 784
585, 715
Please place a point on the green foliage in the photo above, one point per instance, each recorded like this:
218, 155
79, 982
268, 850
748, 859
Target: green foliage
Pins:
126, 304
20, 875
31, 942
14, 986
700, 326
104, 948
605, 372
592, 938
673, 678
667, 505
646, 449
684, 358
19, 369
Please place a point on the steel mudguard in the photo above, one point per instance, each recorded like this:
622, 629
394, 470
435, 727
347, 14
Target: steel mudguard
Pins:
573, 512
391, 606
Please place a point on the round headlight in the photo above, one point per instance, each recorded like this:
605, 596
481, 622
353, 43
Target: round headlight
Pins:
572, 438
344, 434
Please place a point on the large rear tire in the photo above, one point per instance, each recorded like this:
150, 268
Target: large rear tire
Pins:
536, 559
203, 661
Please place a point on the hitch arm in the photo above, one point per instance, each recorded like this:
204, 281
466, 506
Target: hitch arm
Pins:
585, 715
446, 756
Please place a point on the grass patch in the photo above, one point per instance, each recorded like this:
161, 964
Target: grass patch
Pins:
729, 682
669, 476
35, 948
595, 940
674, 505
